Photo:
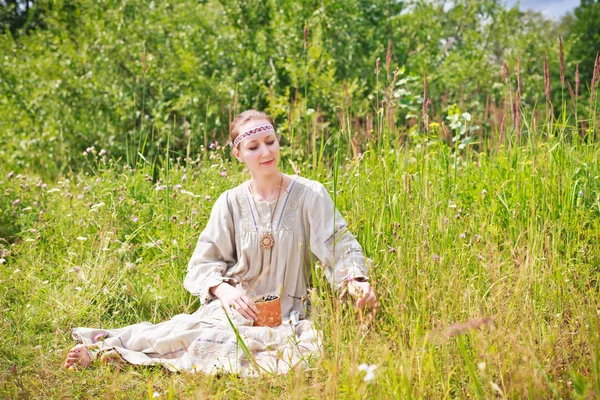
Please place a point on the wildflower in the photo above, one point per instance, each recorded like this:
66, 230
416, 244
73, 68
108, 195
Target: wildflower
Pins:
194, 212
81, 238
134, 218
439, 203
102, 152
177, 187
158, 242
99, 337
483, 193
84, 153
2, 260
435, 257
134, 203
80, 196
160, 187
4, 253
10, 174
481, 366
462, 236
369, 371
223, 174
35, 203
207, 198
445, 220
44, 186
98, 180
86, 188
392, 250
17, 201
76, 269
480, 257
580, 193
155, 394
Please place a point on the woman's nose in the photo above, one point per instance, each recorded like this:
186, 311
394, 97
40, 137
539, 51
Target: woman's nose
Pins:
265, 150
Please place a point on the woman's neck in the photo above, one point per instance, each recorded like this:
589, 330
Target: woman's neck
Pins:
267, 188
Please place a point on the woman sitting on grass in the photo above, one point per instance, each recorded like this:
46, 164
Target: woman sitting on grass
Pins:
259, 241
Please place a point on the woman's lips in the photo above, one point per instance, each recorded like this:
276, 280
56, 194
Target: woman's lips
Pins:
267, 163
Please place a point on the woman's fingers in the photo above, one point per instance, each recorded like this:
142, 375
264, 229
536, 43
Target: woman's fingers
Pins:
240, 306
249, 307
250, 304
367, 299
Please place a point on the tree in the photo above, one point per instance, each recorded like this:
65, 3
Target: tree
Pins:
585, 36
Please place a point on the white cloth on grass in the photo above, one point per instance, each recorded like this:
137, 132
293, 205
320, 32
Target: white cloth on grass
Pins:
306, 227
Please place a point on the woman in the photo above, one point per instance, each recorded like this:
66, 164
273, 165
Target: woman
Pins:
259, 241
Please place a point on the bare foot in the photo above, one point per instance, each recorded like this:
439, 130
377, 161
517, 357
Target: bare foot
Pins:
78, 357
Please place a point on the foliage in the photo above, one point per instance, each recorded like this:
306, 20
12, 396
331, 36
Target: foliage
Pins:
585, 31
130, 77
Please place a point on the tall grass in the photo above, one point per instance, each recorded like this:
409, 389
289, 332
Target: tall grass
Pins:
457, 236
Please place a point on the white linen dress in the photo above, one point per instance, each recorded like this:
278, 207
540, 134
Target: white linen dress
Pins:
306, 228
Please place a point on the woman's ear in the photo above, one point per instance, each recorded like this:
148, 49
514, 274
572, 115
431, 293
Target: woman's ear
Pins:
236, 153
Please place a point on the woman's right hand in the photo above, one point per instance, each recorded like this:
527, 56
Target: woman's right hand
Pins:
233, 298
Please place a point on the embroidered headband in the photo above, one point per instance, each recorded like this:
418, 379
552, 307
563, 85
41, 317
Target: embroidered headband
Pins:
254, 131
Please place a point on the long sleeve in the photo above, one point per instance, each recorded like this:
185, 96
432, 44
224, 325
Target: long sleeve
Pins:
214, 253
332, 243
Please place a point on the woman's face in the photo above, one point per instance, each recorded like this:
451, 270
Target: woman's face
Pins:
260, 152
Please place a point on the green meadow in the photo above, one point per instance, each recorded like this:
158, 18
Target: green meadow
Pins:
460, 142
486, 268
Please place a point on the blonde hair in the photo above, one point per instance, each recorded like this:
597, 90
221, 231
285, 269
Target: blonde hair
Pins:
247, 116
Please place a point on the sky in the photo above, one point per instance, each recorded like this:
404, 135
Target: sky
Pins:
550, 8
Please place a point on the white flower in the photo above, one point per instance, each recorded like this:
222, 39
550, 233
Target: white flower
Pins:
2, 260
155, 394
81, 238
369, 371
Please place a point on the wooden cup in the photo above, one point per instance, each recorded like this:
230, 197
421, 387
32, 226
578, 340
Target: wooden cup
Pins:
269, 313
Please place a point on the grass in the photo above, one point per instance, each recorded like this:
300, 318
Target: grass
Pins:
511, 235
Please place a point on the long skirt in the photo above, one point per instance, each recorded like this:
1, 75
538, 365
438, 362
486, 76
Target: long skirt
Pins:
208, 342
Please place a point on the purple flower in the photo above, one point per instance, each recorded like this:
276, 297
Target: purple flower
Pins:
158, 242
102, 152
99, 337
160, 187
462, 236
35, 203
134, 218
44, 186
4, 253
435, 257
134, 203
480, 257
581, 193
76, 269
10, 174
98, 180
177, 187
80, 196
86, 188
223, 174
207, 198
483, 192
194, 212
17, 201
392, 250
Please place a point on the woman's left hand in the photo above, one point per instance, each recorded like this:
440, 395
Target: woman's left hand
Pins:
363, 293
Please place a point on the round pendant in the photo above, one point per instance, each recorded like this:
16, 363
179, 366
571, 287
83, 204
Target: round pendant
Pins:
266, 241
